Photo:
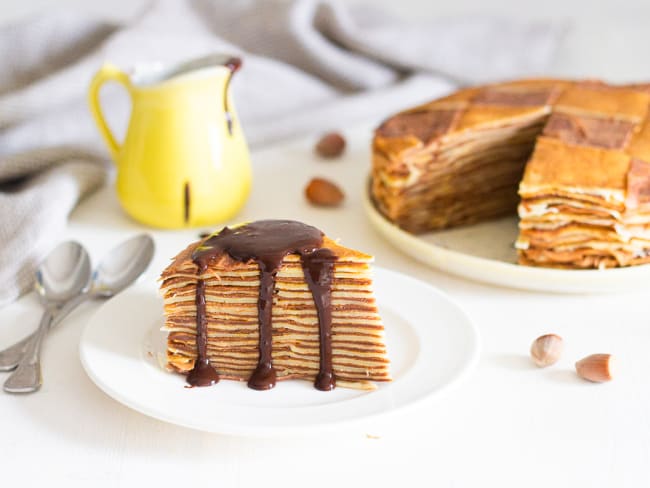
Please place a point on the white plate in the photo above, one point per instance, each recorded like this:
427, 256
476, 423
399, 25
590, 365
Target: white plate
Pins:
431, 343
485, 252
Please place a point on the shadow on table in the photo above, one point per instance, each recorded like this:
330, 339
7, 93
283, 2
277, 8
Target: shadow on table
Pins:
521, 362
565, 376
512, 362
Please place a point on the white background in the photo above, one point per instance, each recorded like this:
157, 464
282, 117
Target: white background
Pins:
509, 425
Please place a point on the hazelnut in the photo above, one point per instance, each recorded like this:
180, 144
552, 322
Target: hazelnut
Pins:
546, 350
324, 193
596, 368
330, 145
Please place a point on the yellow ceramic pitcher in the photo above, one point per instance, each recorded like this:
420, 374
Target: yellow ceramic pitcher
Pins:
184, 161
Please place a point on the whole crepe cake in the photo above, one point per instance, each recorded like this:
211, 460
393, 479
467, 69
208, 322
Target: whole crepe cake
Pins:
272, 300
572, 158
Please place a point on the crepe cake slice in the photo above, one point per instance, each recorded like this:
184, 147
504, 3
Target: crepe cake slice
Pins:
587, 164
273, 300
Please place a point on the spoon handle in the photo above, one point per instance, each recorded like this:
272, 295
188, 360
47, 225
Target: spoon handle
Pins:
27, 378
10, 357
65, 309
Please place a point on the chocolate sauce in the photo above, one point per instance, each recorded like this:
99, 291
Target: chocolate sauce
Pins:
233, 64
267, 242
186, 203
318, 267
263, 377
425, 125
515, 98
203, 373
582, 130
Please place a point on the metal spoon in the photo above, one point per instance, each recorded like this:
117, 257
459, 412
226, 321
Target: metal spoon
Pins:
64, 274
120, 268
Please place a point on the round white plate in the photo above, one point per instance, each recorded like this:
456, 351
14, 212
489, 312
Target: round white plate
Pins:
484, 252
432, 344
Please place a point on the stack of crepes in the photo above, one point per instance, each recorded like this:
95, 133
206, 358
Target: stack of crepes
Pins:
232, 290
586, 189
459, 159
585, 195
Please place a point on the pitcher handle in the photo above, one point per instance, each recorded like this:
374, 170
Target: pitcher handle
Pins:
107, 72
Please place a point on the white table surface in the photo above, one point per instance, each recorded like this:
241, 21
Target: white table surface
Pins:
509, 425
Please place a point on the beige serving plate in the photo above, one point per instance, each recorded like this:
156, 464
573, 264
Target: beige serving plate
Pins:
484, 252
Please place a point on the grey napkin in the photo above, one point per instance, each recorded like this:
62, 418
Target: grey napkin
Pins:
309, 65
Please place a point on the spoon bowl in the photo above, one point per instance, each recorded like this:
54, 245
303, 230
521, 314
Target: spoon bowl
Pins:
122, 266
64, 275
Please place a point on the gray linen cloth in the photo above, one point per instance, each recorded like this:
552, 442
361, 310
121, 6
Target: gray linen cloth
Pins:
308, 65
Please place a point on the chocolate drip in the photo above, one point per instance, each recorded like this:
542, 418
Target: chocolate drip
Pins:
186, 203
318, 267
233, 64
203, 373
263, 378
267, 242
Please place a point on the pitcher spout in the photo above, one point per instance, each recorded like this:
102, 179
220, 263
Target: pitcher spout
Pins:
233, 64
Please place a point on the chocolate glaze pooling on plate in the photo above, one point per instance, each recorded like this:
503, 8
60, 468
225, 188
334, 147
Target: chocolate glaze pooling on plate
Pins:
267, 242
